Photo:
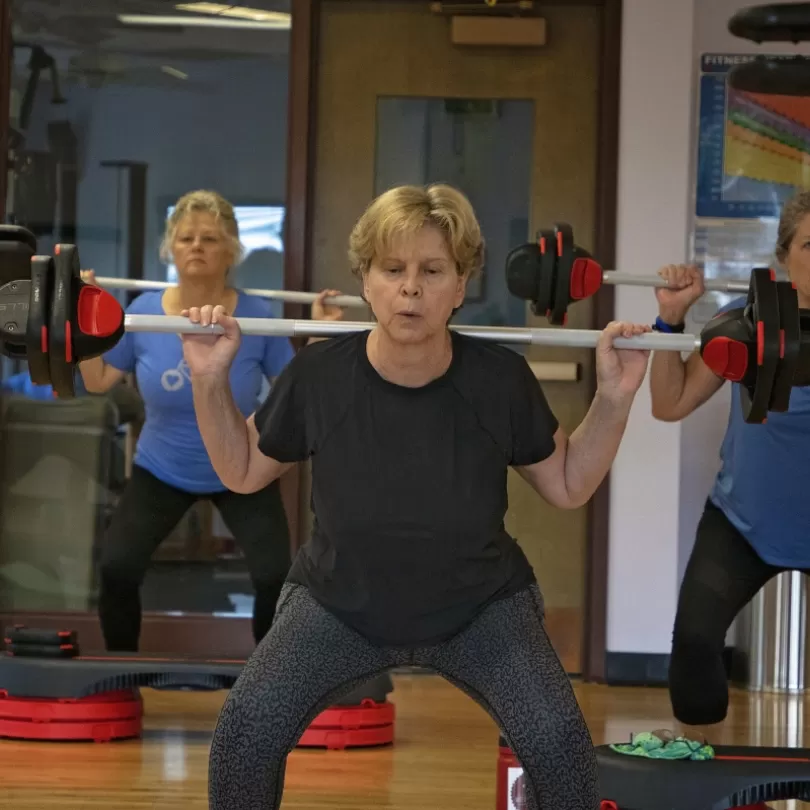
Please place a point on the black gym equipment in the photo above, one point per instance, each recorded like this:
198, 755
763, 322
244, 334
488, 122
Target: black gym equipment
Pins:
22, 641
42, 184
772, 75
774, 22
58, 678
738, 776
48, 314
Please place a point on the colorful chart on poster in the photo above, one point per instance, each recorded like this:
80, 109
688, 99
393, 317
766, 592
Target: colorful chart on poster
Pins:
753, 150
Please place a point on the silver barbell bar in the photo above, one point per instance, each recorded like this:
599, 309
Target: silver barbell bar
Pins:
289, 296
631, 279
345, 301
280, 327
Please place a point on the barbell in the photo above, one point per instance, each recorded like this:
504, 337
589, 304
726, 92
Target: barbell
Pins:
288, 296
553, 272
55, 320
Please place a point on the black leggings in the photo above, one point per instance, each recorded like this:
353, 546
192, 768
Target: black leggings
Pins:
309, 660
148, 511
723, 574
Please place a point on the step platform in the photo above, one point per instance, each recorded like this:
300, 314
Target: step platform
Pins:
738, 776
369, 724
23, 676
97, 698
100, 718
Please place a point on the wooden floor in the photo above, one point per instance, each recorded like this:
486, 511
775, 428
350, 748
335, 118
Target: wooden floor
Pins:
444, 756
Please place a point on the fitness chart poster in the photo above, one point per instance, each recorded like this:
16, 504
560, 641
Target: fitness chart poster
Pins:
753, 153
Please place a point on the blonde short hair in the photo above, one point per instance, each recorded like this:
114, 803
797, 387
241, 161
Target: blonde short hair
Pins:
793, 212
405, 209
205, 202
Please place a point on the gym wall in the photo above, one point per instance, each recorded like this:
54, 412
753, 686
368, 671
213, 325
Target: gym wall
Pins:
663, 474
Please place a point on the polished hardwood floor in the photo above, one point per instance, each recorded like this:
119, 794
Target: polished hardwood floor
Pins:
444, 756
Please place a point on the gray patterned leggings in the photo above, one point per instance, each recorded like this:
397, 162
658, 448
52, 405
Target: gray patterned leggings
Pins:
310, 659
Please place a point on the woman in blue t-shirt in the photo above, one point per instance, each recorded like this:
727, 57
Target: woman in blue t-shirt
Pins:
756, 519
171, 468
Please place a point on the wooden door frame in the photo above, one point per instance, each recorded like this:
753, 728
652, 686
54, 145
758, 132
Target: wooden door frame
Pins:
195, 634
607, 139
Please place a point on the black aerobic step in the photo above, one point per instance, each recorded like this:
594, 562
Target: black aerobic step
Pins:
86, 675
738, 776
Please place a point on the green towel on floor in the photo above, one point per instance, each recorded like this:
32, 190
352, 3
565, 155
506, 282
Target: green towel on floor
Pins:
664, 745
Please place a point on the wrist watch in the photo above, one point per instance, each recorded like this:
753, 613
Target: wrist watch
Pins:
662, 326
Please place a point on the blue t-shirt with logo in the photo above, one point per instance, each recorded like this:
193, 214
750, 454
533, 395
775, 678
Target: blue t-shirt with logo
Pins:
170, 445
762, 483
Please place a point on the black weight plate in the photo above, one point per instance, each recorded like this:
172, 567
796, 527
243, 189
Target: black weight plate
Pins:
522, 271
34, 635
564, 245
764, 306
775, 22
14, 297
790, 345
42, 650
39, 308
772, 76
546, 272
67, 272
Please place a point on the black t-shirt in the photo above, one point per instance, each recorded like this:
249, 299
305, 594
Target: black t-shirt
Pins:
408, 484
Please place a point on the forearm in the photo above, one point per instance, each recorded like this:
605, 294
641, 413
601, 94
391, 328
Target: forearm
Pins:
98, 377
592, 447
223, 429
667, 380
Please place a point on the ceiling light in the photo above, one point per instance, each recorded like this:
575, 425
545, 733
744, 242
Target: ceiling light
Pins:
204, 22
239, 12
178, 74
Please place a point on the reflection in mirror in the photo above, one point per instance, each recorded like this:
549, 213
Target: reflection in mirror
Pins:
261, 231
115, 113
482, 147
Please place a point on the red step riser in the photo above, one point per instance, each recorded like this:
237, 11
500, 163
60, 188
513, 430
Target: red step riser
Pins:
340, 739
62, 732
119, 715
81, 711
350, 717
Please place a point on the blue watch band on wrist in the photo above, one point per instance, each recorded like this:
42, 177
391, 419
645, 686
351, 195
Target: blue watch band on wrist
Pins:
663, 326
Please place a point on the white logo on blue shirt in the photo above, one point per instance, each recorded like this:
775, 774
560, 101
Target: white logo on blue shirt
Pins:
173, 379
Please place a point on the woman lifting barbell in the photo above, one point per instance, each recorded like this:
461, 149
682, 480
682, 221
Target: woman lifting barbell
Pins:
411, 429
171, 469
756, 518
